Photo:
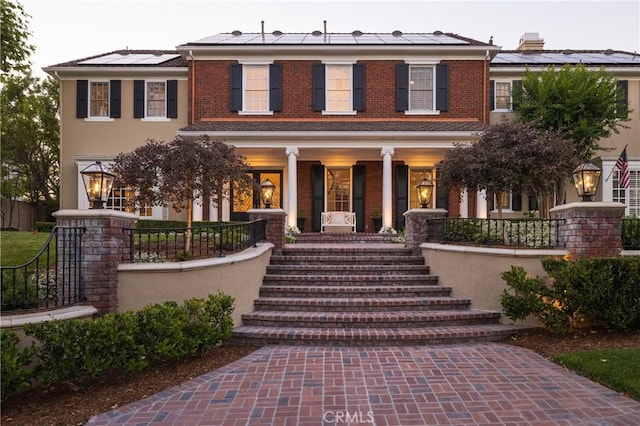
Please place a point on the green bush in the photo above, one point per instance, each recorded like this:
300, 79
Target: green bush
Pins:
76, 350
603, 290
45, 226
14, 370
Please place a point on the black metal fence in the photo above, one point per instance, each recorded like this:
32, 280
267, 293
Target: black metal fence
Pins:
631, 233
526, 233
52, 279
155, 245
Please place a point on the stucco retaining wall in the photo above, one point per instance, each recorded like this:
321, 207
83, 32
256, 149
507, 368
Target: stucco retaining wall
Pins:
474, 272
238, 275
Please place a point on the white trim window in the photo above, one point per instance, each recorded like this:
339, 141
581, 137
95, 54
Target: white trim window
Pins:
255, 89
627, 196
339, 85
98, 99
156, 99
421, 88
502, 96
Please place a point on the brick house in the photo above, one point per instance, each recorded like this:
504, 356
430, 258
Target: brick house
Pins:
338, 122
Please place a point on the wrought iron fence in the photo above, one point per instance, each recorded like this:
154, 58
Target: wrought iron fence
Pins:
631, 233
530, 233
155, 245
52, 279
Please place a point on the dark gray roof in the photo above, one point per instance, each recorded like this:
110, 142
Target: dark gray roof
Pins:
560, 57
130, 58
335, 126
319, 38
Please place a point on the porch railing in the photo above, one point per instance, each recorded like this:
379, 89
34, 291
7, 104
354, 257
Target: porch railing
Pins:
631, 233
155, 245
52, 279
526, 233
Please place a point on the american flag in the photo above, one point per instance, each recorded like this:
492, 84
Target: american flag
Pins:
623, 165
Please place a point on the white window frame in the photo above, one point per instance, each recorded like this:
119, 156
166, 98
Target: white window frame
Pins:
506, 209
89, 98
332, 64
609, 169
146, 102
326, 185
244, 90
423, 64
495, 95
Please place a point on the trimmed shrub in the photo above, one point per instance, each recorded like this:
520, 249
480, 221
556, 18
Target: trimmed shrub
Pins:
14, 370
45, 226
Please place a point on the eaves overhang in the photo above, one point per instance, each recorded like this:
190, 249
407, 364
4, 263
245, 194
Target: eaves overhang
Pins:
74, 72
627, 71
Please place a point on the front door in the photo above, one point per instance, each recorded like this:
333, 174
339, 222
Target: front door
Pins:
240, 204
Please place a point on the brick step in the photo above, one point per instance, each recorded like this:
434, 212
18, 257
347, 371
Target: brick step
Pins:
349, 280
373, 336
354, 291
361, 304
344, 237
346, 250
395, 319
347, 269
345, 260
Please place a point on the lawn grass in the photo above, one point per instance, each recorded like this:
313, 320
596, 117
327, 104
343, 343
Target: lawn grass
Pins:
618, 369
19, 247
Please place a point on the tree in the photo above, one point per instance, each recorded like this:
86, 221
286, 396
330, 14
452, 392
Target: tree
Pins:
510, 156
584, 105
182, 171
30, 133
14, 47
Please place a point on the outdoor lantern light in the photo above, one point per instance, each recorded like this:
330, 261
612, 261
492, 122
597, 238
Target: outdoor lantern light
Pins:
267, 188
586, 177
425, 189
98, 182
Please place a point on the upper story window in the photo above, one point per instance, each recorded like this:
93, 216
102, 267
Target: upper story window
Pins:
155, 99
256, 88
338, 88
501, 94
98, 100
422, 89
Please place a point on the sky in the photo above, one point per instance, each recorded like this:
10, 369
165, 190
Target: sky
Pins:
64, 30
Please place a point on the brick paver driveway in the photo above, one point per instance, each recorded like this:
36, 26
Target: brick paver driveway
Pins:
469, 384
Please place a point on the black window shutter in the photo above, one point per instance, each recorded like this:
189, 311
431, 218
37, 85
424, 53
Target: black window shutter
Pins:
516, 202
492, 95
516, 85
275, 87
359, 185
402, 194
490, 201
402, 87
442, 87
533, 202
318, 87
114, 98
138, 99
624, 102
236, 88
172, 98
442, 195
358, 87
317, 195
82, 99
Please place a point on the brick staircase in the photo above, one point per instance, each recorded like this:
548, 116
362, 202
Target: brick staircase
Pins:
360, 289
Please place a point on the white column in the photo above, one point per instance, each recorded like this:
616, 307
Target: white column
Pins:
387, 203
464, 203
292, 182
481, 204
213, 210
197, 209
226, 206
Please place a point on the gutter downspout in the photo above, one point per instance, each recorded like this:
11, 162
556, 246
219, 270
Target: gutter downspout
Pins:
193, 88
485, 119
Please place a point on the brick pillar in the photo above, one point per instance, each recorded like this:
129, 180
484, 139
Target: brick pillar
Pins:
275, 225
103, 246
416, 226
590, 229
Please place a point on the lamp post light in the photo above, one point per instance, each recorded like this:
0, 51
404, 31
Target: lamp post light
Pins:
267, 188
98, 182
425, 189
586, 177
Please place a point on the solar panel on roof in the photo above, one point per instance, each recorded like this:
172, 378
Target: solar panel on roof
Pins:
130, 59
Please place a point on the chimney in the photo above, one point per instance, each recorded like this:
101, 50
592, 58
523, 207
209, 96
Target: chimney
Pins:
531, 41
